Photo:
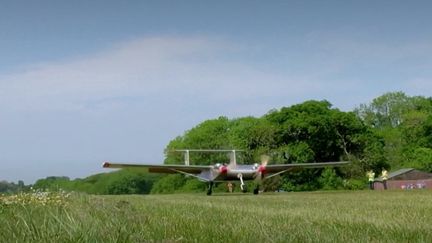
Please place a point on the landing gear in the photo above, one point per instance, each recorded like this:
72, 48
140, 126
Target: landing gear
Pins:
242, 185
256, 190
243, 188
210, 188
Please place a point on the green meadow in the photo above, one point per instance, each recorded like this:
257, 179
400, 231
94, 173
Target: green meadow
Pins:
338, 216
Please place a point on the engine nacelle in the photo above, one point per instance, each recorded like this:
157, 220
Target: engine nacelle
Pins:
223, 169
262, 169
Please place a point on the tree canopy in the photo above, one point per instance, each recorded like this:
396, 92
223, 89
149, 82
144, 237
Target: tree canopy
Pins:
393, 131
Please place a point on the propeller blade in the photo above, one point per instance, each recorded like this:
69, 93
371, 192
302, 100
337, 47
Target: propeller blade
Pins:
264, 159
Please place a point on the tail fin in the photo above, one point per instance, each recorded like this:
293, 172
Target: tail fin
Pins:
233, 160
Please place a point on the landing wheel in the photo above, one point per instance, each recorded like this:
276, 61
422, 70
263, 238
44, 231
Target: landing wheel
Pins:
256, 190
210, 188
243, 188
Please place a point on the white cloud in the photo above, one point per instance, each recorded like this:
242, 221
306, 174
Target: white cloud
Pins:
208, 70
185, 67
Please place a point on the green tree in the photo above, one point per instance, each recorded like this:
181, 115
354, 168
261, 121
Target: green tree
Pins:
210, 134
299, 152
272, 184
329, 180
404, 123
386, 110
52, 183
420, 158
6, 187
251, 133
329, 133
193, 185
118, 182
129, 182
168, 184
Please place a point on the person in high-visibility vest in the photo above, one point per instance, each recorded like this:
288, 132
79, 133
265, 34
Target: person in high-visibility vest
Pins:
384, 176
371, 177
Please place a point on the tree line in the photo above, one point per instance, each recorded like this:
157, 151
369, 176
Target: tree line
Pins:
393, 131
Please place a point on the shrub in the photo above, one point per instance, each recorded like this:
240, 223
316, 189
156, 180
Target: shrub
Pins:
329, 180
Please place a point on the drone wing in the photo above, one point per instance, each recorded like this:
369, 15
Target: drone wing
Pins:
192, 170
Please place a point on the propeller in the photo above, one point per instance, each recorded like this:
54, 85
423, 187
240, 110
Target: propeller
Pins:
222, 168
264, 160
261, 169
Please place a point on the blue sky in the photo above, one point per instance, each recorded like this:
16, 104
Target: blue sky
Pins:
82, 82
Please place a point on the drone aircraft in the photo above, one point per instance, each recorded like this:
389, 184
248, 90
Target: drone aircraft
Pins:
226, 172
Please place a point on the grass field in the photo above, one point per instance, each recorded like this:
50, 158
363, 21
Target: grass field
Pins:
355, 216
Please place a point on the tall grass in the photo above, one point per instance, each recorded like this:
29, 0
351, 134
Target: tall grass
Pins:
361, 216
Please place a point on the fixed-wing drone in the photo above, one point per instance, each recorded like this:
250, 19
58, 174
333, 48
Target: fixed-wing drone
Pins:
226, 172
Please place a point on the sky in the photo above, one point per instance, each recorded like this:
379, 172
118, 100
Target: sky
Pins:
82, 82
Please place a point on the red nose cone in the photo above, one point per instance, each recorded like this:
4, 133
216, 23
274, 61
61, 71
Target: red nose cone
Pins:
106, 165
223, 169
262, 169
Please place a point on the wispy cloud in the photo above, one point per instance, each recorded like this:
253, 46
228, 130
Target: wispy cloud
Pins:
196, 68
193, 67
185, 67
